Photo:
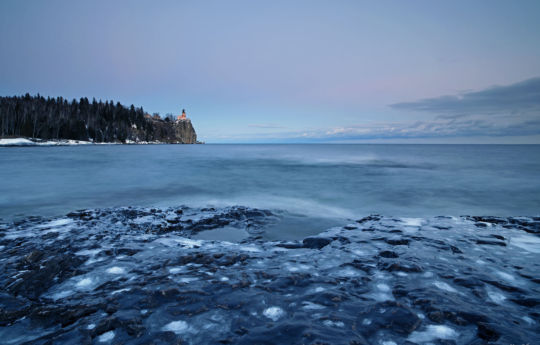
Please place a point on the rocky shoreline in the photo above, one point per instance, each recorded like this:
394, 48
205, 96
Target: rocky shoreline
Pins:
139, 276
18, 142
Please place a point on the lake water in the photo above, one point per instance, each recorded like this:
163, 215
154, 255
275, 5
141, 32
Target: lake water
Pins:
331, 181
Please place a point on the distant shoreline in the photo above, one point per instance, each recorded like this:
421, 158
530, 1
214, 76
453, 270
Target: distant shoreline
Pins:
31, 142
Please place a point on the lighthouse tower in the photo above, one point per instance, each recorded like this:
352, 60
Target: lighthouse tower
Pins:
183, 116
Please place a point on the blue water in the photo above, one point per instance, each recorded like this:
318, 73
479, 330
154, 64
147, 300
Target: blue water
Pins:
334, 181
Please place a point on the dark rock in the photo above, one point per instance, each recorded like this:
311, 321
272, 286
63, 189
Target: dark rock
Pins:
436, 316
472, 317
316, 242
389, 315
33, 257
526, 302
35, 281
492, 243
369, 219
394, 267
487, 332
400, 292
73, 314
441, 227
341, 239
289, 245
127, 251
12, 308
81, 214
288, 333
388, 254
397, 241
491, 220
502, 286
468, 282
359, 264
456, 250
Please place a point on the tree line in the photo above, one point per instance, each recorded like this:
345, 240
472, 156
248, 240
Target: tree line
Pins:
57, 118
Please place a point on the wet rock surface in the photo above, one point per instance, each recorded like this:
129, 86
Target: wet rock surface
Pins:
138, 276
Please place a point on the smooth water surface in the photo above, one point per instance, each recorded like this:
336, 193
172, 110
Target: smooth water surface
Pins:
333, 181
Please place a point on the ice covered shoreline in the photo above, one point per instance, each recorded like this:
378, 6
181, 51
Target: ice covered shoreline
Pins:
135, 275
18, 142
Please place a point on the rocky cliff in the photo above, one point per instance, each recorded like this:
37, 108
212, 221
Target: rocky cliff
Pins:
177, 132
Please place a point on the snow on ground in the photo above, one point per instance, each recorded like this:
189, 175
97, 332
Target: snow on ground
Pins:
65, 142
28, 142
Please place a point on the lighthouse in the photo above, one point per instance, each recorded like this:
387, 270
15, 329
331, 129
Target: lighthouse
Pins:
182, 117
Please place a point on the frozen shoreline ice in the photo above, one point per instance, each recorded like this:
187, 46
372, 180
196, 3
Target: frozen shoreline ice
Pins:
136, 275
10, 142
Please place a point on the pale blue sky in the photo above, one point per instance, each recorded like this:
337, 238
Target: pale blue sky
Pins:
289, 71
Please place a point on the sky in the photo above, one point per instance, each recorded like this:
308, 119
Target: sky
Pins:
290, 71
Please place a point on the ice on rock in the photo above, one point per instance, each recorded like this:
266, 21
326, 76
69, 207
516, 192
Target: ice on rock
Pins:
116, 270
528, 320
189, 243
120, 291
381, 293
433, 332
444, 286
348, 272
88, 252
330, 323
298, 268
56, 223
62, 294
175, 270
383, 287
250, 249
529, 243
388, 342
496, 297
107, 336
382, 296
412, 221
312, 306
274, 313
185, 280
178, 327
84, 283
348, 280
506, 276
174, 242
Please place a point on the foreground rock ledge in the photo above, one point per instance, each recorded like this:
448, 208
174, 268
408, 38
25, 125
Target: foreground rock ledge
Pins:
136, 275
